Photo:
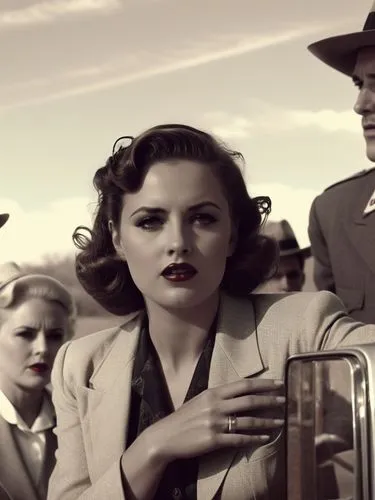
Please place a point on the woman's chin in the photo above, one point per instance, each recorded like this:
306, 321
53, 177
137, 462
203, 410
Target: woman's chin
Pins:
36, 383
183, 298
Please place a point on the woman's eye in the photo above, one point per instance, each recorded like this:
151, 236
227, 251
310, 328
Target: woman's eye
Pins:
204, 219
149, 223
27, 334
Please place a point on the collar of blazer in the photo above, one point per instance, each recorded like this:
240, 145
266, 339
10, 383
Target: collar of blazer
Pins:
236, 355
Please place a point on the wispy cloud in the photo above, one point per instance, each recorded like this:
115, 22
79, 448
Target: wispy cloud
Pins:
325, 119
50, 10
230, 126
262, 121
169, 62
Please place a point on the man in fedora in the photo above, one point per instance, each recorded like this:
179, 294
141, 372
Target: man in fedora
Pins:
3, 219
342, 218
290, 275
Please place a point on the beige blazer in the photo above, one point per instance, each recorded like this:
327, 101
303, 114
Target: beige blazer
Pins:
15, 480
255, 336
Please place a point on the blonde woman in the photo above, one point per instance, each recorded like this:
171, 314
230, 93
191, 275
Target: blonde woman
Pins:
37, 315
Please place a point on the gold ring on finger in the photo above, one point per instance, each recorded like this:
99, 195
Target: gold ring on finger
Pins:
232, 424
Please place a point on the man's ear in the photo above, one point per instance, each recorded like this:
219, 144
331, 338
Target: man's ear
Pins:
116, 240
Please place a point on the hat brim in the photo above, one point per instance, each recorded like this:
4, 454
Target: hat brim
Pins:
305, 253
3, 219
340, 52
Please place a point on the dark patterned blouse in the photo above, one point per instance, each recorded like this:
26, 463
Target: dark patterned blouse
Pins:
150, 401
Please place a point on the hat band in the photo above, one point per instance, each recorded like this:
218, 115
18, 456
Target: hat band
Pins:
370, 22
288, 244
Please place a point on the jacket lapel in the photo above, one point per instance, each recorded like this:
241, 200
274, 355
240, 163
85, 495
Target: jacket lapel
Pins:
361, 229
235, 356
49, 458
13, 471
108, 399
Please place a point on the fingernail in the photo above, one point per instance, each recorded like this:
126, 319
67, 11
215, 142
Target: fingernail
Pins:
279, 421
280, 399
279, 383
264, 438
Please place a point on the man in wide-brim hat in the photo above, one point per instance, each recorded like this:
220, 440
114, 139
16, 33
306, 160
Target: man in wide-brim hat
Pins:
342, 219
3, 219
290, 274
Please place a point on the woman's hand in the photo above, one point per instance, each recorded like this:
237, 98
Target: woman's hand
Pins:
201, 425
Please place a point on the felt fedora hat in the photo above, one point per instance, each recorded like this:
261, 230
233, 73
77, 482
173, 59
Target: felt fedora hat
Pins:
340, 52
282, 232
3, 219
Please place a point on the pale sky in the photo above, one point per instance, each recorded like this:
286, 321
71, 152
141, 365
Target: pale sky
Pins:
77, 74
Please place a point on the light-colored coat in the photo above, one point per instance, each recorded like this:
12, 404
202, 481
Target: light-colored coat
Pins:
255, 336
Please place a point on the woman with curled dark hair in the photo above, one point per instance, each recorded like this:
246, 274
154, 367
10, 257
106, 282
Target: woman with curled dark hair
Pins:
106, 276
184, 400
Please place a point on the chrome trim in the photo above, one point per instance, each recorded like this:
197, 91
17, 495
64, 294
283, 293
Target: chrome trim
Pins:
362, 361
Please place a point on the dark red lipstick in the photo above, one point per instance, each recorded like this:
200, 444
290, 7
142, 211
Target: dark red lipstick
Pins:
39, 368
179, 272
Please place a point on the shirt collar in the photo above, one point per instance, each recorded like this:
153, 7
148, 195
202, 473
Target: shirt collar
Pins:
45, 420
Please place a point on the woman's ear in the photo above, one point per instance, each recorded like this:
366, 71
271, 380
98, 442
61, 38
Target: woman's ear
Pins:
116, 240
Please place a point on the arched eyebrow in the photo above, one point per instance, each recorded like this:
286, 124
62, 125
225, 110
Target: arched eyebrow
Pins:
23, 328
158, 210
33, 329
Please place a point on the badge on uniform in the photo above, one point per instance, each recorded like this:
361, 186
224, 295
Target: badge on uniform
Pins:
370, 207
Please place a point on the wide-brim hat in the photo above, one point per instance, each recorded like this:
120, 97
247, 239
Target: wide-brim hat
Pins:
340, 52
3, 219
282, 232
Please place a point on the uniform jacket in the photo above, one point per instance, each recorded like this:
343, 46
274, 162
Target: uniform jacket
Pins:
343, 244
91, 392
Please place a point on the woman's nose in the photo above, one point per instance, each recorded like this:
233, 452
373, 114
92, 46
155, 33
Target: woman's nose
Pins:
179, 241
40, 343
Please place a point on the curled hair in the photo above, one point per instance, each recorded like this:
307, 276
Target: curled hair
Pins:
29, 286
106, 277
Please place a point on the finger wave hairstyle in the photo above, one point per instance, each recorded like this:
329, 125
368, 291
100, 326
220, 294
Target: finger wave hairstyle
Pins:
27, 286
106, 277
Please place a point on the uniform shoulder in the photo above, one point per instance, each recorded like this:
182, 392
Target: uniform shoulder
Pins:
354, 177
